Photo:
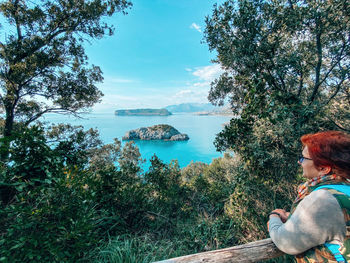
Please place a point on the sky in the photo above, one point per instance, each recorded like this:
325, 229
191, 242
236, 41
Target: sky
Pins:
156, 56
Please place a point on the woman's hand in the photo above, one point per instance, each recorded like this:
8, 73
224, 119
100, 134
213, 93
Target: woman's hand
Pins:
282, 214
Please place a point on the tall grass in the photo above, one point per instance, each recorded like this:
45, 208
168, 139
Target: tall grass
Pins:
145, 249
142, 249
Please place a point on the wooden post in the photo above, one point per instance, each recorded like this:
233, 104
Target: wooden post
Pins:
250, 252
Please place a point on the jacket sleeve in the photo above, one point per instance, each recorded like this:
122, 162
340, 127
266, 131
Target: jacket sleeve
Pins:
316, 220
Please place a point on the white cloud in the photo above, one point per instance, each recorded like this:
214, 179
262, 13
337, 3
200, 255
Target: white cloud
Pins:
196, 27
201, 84
208, 73
198, 90
112, 80
184, 93
122, 93
190, 95
111, 102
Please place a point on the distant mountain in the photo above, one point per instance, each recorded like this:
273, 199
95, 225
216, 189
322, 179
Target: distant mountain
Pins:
192, 107
143, 112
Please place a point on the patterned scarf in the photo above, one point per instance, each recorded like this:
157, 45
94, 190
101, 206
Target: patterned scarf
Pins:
303, 189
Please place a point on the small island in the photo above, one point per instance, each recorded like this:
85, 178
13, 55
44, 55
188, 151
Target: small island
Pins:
163, 132
143, 112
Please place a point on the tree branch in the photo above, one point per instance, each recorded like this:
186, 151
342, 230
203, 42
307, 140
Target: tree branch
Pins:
336, 91
55, 110
339, 126
34, 94
51, 35
319, 60
42, 70
301, 81
273, 80
333, 66
18, 25
279, 77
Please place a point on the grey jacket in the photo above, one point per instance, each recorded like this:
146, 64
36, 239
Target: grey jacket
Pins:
317, 219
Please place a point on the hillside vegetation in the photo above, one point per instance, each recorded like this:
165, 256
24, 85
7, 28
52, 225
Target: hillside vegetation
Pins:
66, 197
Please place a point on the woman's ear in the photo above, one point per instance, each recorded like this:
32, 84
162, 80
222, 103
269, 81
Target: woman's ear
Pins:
325, 170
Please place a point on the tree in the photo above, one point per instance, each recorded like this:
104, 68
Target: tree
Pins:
43, 64
286, 65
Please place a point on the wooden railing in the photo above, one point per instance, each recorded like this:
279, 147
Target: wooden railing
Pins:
250, 252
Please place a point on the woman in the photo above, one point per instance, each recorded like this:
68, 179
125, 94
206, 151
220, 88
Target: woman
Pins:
316, 228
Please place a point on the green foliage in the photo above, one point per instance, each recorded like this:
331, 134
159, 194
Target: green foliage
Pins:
286, 68
64, 194
56, 220
31, 163
49, 204
55, 210
285, 65
129, 249
40, 208
43, 64
166, 196
225, 191
74, 144
162, 127
207, 233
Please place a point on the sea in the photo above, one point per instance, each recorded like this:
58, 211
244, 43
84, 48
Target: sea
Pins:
201, 130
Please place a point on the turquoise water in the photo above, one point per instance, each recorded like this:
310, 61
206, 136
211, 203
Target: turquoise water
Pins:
200, 129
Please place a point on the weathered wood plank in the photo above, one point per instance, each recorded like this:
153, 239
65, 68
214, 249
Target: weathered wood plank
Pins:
250, 252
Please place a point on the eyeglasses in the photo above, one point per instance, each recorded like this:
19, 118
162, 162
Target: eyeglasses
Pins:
302, 159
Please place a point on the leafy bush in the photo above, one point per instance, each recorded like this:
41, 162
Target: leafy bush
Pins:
53, 210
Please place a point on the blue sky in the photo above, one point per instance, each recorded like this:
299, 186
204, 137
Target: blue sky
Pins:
155, 58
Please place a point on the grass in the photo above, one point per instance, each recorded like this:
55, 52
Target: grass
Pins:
143, 249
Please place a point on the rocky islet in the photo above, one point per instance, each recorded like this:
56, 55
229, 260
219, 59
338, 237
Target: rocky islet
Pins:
163, 132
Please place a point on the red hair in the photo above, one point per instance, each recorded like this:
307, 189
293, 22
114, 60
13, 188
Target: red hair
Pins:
329, 148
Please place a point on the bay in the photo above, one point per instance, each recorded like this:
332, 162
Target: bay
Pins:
200, 129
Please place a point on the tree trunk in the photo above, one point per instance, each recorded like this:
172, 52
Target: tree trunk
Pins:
5, 142
8, 122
